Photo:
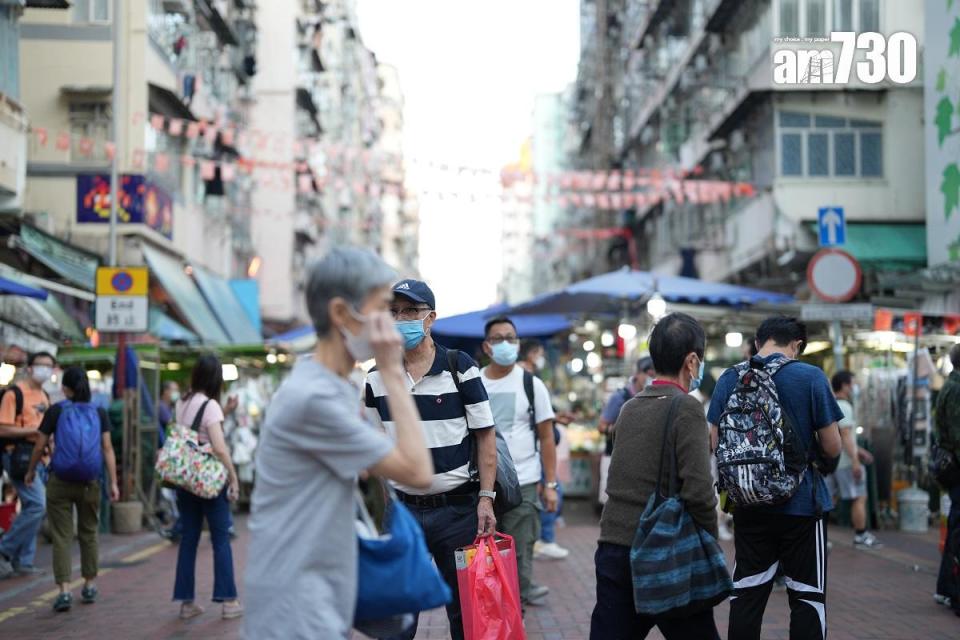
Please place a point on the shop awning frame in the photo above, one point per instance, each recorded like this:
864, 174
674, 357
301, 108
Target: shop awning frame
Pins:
226, 307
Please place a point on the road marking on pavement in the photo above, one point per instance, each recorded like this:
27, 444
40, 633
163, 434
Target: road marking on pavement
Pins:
146, 553
11, 612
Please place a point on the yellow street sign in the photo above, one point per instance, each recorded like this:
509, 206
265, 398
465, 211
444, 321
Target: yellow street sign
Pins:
122, 281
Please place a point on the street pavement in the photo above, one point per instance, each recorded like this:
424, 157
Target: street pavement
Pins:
885, 594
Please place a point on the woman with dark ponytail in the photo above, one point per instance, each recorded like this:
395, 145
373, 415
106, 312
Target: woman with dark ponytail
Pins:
203, 400
81, 445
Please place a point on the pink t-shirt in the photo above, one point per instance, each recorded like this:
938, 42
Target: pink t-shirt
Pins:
187, 412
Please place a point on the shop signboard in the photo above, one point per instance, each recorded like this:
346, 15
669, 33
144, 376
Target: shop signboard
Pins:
122, 304
834, 275
140, 202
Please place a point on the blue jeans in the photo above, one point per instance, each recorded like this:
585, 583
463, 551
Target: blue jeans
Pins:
548, 521
615, 618
20, 543
192, 512
446, 529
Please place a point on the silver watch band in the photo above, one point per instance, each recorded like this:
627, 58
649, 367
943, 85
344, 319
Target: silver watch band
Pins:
488, 494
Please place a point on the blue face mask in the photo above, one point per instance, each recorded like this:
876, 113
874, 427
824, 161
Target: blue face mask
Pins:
505, 354
412, 332
696, 382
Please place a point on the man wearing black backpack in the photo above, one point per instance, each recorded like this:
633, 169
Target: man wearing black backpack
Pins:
773, 420
21, 412
523, 414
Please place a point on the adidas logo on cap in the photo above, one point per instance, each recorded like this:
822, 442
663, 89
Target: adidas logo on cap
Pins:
403, 285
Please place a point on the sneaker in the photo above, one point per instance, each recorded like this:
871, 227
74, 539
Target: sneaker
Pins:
537, 594
63, 603
89, 594
549, 551
232, 610
941, 599
866, 540
28, 571
189, 610
6, 569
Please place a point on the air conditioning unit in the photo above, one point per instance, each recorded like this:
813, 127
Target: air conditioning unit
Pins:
177, 6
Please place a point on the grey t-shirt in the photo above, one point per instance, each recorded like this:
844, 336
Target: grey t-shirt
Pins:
301, 577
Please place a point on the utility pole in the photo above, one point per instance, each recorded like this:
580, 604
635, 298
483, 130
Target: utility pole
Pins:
116, 100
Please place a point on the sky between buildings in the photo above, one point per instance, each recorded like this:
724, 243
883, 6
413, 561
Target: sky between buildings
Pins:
470, 70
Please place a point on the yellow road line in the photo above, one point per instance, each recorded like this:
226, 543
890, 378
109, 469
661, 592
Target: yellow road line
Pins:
146, 553
11, 612
45, 598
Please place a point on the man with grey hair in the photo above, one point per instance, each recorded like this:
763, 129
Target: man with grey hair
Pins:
458, 421
301, 578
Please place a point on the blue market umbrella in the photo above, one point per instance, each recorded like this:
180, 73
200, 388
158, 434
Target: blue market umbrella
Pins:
470, 325
610, 292
11, 288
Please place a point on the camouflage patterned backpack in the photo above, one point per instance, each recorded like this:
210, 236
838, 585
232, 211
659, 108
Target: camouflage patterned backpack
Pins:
761, 460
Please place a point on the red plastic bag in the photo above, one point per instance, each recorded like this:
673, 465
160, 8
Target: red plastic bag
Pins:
490, 593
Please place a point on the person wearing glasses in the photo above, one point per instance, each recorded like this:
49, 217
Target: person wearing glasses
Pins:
458, 424
528, 431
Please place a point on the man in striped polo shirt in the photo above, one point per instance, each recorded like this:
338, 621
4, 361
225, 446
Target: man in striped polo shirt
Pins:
457, 507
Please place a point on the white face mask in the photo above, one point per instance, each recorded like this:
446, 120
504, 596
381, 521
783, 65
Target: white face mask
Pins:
540, 362
358, 345
42, 374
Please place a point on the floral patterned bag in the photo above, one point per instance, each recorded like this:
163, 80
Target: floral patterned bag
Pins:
185, 463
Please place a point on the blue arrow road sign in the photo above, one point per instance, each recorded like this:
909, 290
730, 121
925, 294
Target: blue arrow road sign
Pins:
832, 224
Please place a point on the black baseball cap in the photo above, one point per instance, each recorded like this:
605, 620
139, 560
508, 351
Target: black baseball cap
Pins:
415, 290
644, 364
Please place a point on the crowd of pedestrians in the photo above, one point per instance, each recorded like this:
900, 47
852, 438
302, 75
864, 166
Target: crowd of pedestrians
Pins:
764, 443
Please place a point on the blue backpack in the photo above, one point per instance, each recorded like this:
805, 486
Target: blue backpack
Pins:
78, 454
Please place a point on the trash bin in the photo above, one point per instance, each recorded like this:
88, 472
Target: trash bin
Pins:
914, 510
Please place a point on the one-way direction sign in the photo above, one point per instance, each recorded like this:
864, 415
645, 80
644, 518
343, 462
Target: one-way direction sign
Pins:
832, 225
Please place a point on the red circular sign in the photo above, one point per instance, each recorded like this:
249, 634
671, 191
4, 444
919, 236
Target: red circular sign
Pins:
834, 275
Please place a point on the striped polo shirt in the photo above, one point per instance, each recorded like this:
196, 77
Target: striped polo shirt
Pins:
448, 417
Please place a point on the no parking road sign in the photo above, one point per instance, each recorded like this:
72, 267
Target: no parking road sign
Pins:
122, 299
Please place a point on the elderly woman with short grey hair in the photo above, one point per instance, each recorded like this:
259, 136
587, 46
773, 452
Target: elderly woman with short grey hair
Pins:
301, 577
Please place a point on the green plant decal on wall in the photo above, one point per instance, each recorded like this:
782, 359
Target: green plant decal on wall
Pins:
944, 118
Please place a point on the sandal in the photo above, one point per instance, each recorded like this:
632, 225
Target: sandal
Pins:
63, 603
232, 610
188, 610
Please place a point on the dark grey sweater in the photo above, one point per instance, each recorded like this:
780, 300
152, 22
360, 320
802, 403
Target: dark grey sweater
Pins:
636, 460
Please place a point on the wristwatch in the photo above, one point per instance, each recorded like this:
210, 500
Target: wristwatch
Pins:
489, 494
552, 485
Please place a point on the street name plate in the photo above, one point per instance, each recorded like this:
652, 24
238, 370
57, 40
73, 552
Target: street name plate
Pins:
126, 314
848, 312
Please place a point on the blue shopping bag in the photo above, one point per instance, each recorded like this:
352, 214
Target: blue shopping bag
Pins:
396, 572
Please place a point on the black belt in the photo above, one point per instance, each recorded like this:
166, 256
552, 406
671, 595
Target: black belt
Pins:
454, 497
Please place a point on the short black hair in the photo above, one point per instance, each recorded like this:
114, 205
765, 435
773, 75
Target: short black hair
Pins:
752, 343
167, 385
841, 378
955, 356
528, 346
644, 364
672, 339
40, 354
75, 379
207, 377
497, 320
782, 330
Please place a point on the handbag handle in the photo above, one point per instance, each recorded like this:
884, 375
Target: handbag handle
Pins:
667, 428
198, 419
